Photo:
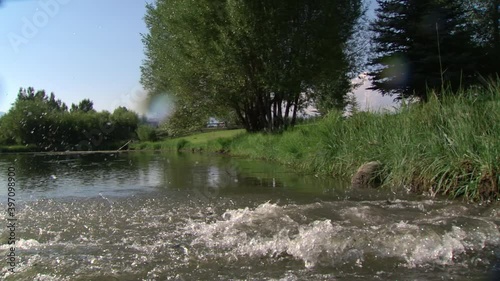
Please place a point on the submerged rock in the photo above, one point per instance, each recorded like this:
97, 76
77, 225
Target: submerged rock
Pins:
368, 175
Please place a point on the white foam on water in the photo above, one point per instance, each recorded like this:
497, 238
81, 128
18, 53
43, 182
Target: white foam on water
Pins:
45, 277
240, 225
27, 244
430, 248
353, 236
21, 244
289, 276
314, 240
268, 230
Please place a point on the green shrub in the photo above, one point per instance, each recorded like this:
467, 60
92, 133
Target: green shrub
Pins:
181, 144
225, 143
146, 133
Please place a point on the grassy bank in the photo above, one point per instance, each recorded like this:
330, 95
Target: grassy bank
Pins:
35, 149
215, 141
450, 146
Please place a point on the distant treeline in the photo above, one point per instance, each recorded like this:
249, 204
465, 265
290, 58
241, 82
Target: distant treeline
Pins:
41, 120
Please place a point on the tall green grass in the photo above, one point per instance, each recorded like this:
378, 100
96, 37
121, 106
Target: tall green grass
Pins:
449, 145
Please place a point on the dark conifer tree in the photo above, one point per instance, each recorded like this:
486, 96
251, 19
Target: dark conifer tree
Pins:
484, 21
422, 45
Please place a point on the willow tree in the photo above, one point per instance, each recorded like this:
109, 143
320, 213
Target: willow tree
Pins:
263, 60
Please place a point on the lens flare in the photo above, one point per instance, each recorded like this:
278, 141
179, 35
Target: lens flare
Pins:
160, 106
398, 71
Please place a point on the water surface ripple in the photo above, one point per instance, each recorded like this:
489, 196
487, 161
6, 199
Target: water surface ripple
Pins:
194, 217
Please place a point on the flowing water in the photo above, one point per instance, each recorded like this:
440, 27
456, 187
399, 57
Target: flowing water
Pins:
157, 216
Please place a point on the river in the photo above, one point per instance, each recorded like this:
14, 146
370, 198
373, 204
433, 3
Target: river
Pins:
170, 216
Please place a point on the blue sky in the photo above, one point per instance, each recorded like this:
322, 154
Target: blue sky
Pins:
75, 48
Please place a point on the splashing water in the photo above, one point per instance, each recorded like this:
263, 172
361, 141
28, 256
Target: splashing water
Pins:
169, 233
269, 230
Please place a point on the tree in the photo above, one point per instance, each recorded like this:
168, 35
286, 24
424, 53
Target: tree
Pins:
186, 118
26, 94
56, 105
146, 133
421, 45
36, 119
28, 122
484, 21
263, 60
7, 136
86, 105
124, 123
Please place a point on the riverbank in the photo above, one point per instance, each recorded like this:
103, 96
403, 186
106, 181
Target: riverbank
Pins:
448, 147
33, 149
213, 141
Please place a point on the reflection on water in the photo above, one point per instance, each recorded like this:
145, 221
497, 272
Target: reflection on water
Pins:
147, 216
128, 174
81, 176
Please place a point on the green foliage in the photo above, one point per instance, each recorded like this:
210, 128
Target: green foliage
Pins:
484, 21
7, 136
421, 45
124, 123
224, 142
146, 133
262, 60
185, 119
210, 141
181, 144
86, 105
44, 122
